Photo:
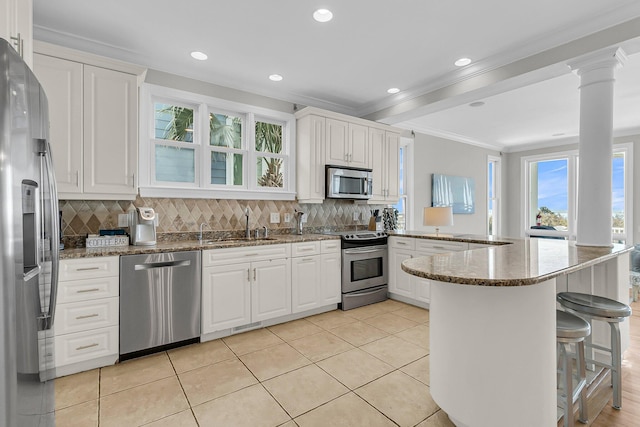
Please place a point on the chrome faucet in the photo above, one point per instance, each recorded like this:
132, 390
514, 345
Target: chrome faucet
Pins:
299, 216
247, 233
201, 226
266, 231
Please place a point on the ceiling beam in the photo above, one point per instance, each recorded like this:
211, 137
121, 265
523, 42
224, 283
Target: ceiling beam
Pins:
509, 76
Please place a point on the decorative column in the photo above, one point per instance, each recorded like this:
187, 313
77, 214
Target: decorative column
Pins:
597, 77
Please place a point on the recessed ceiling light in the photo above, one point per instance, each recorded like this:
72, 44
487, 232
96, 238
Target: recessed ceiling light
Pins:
275, 77
393, 90
323, 15
476, 104
200, 56
462, 62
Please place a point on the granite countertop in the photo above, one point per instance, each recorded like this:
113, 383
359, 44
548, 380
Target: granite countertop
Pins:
466, 238
192, 245
522, 262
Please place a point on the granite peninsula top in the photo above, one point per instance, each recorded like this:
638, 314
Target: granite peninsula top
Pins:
508, 261
192, 245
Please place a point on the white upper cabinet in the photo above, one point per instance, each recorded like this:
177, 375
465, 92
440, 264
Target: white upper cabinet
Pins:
326, 138
16, 26
110, 132
62, 81
93, 114
384, 159
310, 154
346, 144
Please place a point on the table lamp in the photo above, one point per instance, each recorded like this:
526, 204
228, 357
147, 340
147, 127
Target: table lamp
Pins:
438, 216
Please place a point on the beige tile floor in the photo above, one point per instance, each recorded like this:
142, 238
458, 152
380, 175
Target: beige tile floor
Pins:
364, 367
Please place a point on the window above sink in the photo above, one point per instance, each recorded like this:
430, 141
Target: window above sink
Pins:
196, 146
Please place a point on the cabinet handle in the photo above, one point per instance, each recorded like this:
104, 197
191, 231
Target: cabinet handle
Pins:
84, 347
87, 316
248, 275
133, 179
77, 178
305, 249
438, 247
87, 268
307, 259
82, 291
401, 243
251, 254
254, 274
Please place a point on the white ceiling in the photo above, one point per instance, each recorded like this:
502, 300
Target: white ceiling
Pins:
347, 65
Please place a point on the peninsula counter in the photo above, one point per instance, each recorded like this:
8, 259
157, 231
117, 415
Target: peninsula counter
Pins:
492, 323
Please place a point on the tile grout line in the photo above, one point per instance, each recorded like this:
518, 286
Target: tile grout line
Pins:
183, 391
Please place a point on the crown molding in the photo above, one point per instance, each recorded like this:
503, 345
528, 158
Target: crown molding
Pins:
416, 127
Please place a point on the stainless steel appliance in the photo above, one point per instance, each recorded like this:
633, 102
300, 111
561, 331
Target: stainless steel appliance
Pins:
142, 224
364, 268
348, 183
159, 300
29, 237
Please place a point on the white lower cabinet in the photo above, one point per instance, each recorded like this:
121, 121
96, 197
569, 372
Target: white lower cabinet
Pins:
315, 274
406, 286
85, 329
244, 285
330, 272
226, 297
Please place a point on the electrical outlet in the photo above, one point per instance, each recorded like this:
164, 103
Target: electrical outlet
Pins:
356, 216
275, 218
287, 217
123, 220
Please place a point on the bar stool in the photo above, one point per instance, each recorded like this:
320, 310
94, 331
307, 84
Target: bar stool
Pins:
572, 329
593, 307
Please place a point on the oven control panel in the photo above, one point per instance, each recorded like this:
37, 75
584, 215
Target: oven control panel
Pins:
365, 235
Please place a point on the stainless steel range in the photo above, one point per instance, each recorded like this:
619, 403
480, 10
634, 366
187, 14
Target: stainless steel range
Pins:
364, 268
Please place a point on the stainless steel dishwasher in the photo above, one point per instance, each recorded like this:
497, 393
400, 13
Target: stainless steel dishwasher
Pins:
159, 300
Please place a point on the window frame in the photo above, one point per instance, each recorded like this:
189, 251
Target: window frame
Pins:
154, 143
204, 105
497, 189
407, 145
572, 192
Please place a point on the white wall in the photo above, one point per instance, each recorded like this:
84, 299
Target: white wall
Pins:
438, 155
512, 185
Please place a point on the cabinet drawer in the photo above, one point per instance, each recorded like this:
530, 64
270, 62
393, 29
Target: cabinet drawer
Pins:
213, 257
402, 243
82, 346
88, 268
86, 315
305, 249
330, 246
88, 289
439, 246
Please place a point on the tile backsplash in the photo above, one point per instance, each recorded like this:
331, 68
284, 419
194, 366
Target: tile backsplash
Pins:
82, 217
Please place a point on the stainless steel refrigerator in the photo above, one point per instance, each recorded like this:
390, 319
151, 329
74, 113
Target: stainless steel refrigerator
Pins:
29, 239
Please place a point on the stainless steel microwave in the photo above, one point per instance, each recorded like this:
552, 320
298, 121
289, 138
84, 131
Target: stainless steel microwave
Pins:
348, 183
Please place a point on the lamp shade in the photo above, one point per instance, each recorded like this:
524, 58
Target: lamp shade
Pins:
437, 217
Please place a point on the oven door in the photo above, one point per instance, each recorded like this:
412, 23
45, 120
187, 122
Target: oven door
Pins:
364, 267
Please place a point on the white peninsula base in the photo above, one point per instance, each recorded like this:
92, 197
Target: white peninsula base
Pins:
493, 354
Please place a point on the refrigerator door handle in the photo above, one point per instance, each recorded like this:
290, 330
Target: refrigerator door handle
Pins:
55, 232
